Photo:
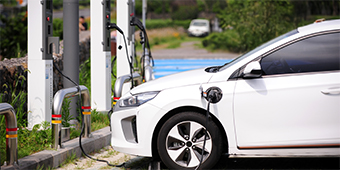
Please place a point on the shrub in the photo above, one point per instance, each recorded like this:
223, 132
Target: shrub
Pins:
13, 37
184, 13
228, 39
58, 28
257, 21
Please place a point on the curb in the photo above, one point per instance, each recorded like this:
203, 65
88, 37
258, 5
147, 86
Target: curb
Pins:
53, 158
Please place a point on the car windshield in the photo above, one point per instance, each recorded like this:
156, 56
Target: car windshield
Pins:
199, 24
241, 57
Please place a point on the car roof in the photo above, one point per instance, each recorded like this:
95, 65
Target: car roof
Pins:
320, 27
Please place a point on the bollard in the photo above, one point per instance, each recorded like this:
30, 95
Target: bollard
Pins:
11, 133
124, 79
57, 107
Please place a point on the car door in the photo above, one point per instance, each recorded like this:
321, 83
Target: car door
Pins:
296, 102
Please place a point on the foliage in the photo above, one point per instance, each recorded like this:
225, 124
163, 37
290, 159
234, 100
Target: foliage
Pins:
66, 116
228, 39
13, 41
85, 74
98, 120
28, 141
211, 6
58, 28
185, 13
57, 4
256, 22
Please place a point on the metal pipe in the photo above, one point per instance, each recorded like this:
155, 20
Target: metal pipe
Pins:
123, 79
11, 133
144, 12
57, 112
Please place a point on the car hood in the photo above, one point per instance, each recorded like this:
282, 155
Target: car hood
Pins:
186, 78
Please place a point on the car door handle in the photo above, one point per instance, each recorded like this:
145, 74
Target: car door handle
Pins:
332, 90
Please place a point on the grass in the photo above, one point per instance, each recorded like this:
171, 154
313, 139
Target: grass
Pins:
69, 159
40, 137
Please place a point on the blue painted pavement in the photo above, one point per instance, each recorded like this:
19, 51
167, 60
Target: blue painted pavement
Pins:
165, 67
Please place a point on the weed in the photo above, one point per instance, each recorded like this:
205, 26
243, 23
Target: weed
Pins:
66, 116
77, 167
106, 167
69, 159
90, 162
40, 167
110, 153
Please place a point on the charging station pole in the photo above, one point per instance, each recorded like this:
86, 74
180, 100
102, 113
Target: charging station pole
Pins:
123, 21
100, 56
71, 47
40, 61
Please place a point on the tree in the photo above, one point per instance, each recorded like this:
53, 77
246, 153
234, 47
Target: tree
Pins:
257, 21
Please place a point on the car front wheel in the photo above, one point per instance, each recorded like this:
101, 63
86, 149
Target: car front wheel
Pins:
180, 141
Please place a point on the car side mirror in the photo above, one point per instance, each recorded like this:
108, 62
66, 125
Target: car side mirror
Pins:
252, 70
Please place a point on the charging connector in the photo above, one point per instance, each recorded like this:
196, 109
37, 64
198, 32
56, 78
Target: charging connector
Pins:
114, 26
136, 22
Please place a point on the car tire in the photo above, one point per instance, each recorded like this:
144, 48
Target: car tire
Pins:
180, 141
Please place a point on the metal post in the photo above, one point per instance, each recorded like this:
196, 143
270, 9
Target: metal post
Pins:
147, 65
71, 46
57, 108
11, 133
144, 12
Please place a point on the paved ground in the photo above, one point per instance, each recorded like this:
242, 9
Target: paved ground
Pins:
110, 155
189, 50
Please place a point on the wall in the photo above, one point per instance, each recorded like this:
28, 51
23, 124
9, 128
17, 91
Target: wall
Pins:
13, 72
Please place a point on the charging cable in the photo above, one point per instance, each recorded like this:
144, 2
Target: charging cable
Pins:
136, 22
111, 26
212, 95
83, 124
205, 132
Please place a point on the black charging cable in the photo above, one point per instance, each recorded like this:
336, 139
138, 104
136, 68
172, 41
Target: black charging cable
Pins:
136, 22
83, 124
212, 95
114, 26
205, 132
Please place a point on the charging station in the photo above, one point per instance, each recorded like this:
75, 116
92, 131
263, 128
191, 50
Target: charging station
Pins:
100, 56
40, 61
123, 16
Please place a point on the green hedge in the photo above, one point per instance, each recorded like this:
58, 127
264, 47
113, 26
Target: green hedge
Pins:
229, 40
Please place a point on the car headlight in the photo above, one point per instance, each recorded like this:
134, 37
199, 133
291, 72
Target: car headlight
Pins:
137, 99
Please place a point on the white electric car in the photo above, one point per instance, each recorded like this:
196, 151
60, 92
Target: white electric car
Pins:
281, 99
